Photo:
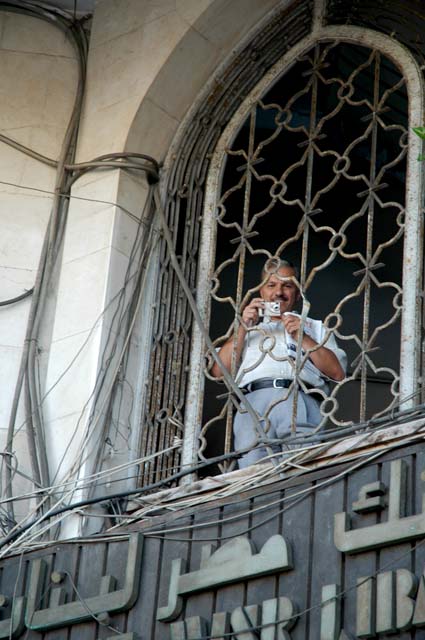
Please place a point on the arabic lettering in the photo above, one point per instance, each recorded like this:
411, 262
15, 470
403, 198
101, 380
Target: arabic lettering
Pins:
275, 617
398, 528
109, 600
232, 562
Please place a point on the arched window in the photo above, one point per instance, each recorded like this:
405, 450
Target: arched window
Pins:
317, 165
317, 168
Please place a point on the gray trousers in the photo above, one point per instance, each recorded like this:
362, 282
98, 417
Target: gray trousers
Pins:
275, 422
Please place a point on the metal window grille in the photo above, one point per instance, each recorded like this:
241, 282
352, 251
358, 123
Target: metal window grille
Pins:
316, 175
344, 130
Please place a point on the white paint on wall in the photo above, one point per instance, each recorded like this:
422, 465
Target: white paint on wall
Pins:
148, 61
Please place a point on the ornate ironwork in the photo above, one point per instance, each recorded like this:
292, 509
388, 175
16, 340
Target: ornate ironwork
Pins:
166, 383
403, 21
320, 161
167, 400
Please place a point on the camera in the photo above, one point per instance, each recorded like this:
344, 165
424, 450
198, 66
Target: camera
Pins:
270, 309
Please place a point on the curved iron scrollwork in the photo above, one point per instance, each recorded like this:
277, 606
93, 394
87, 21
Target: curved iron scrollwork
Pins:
162, 418
169, 395
316, 174
404, 21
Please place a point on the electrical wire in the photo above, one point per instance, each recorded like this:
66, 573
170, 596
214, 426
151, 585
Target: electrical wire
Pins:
15, 402
52, 388
251, 628
294, 500
93, 477
118, 157
20, 530
26, 150
5, 303
97, 410
96, 477
303, 493
225, 520
51, 246
68, 172
67, 368
95, 617
132, 165
70, 196
53, 241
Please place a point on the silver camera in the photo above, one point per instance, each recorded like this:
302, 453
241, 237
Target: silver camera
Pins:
270, 309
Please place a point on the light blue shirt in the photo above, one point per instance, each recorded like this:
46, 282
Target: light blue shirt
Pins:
270, 352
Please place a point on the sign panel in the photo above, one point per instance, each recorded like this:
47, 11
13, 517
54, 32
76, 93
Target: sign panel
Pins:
332, 555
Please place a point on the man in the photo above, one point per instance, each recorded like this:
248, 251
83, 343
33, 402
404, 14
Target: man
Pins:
266, 354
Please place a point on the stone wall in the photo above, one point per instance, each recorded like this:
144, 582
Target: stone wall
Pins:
38, 77
148, 63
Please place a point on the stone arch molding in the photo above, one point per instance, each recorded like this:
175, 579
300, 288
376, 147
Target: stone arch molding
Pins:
404, 60
175, 92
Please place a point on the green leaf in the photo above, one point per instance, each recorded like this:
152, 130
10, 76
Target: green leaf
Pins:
421, 158
420, 131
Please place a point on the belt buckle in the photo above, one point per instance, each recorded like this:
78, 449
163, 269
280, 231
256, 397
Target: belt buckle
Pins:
277, 386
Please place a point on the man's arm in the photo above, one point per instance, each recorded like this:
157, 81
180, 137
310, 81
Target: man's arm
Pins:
226, 353
249, 319
323, 358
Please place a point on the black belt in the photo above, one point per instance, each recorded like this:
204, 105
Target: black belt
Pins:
267, 383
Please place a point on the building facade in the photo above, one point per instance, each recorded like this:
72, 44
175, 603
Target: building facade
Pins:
155, 156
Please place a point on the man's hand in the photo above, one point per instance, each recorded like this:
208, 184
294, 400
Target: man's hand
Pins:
292, 324
324, 359
250, 314
250, 317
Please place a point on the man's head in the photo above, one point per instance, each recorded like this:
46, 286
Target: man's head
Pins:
278, 277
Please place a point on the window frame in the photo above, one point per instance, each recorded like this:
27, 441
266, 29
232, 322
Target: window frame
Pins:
412, 267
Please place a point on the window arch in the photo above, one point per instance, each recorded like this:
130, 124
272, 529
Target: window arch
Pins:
343, 118
174, 377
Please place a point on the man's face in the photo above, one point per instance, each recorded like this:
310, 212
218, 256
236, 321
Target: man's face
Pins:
279, 288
